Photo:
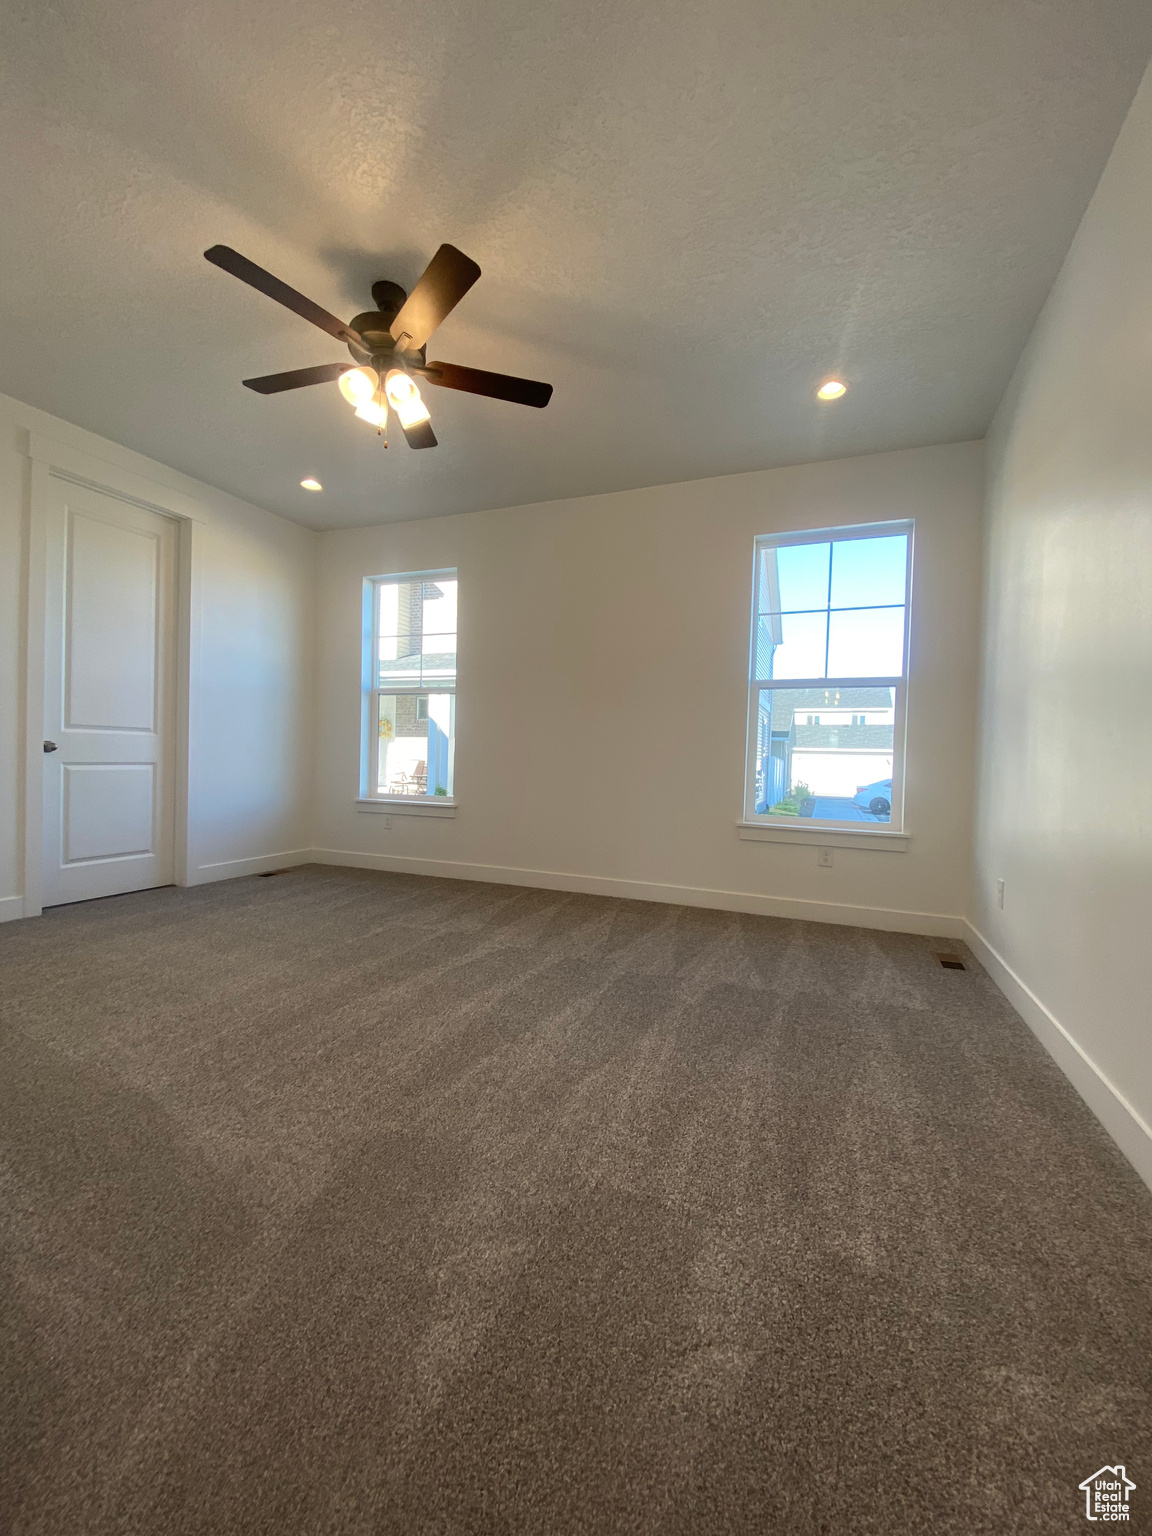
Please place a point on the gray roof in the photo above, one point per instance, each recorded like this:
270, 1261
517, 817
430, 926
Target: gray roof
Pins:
789, 701
408, 669
861, 738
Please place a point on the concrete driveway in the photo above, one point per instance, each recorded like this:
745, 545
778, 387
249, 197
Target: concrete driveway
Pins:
841, 808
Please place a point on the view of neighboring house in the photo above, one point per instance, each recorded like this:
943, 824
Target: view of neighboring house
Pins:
829, 742
827, 667
416, 657
831, 739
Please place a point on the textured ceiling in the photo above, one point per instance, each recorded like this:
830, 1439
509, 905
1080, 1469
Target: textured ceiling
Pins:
686, 213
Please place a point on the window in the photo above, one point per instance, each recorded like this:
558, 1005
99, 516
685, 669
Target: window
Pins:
410, 686
827, 688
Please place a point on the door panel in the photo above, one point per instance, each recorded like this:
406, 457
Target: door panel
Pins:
110, 625
109, 810
109, 697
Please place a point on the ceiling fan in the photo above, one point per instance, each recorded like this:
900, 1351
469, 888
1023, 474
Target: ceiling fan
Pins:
388, 344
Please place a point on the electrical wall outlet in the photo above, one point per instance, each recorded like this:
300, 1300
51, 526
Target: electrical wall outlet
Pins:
1000, 894
824, 857
386, 823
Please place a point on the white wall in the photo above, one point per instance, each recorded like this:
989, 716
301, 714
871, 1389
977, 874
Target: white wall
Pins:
1065, 757
602, 691
250, 753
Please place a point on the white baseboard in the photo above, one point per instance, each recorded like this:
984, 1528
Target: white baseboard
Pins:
931, 923
261, 864
1122, 1122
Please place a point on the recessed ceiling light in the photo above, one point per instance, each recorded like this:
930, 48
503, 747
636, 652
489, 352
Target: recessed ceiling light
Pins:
832, 390
311, 485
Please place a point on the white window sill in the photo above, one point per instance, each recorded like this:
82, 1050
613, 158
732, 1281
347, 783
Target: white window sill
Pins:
825, 837
409, 805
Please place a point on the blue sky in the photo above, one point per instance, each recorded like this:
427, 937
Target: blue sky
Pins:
834, 615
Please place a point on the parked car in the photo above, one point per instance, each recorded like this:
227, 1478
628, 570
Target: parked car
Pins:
876, 798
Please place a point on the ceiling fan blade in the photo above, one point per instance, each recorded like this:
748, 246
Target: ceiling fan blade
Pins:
500, 386
228, 260
447, 278
420, 436
274, 383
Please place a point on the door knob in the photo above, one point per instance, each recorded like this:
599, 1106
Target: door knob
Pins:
49, 746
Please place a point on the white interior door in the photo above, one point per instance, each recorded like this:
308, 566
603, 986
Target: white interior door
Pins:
109, 696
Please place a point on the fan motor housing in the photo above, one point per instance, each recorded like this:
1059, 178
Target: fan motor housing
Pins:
374, 325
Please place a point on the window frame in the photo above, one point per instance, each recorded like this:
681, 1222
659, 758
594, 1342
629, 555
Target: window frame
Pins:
899, 684
371, 689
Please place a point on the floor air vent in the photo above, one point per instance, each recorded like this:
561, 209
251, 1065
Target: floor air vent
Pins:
952, 962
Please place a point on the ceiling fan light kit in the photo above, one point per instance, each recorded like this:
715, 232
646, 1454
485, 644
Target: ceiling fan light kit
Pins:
375, 413
405, 398
358, 385
388, 344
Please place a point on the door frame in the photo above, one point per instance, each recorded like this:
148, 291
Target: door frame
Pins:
51, 460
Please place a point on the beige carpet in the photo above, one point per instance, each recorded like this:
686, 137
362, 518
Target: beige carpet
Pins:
346, 1203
